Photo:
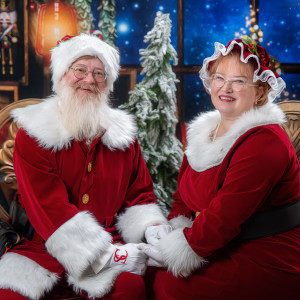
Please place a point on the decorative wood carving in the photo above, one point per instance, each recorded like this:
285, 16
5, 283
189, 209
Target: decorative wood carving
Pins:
6, 157
292, 125
7, 149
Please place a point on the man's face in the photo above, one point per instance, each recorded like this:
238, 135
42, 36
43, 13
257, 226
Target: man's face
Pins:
87, 85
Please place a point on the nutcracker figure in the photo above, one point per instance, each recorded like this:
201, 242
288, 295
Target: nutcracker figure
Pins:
8, 37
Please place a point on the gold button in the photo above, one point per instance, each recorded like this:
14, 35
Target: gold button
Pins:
89, 167
197, 214
85, 199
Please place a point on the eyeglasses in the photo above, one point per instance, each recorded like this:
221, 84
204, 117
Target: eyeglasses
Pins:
82, 72
237, 84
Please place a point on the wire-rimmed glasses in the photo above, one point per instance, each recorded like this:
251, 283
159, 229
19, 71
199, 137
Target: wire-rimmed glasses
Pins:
237, 84
81, 72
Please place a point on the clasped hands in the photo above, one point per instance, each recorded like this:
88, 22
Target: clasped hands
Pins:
134, 258
153, 235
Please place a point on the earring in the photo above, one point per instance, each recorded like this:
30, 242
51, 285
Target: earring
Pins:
256, 101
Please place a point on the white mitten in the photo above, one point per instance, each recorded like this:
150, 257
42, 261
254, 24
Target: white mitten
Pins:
155, 257
128, 258
154, 233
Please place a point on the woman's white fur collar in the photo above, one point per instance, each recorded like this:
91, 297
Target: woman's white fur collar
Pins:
42, 122
203, 154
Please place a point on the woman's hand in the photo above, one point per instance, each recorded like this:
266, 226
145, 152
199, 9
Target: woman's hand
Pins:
154, 233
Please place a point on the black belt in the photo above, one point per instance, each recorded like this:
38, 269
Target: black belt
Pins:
271, 222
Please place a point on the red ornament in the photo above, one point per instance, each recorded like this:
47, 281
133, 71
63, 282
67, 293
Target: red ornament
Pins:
32, 6
97, 33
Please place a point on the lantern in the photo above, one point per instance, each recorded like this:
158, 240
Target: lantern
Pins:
55, 20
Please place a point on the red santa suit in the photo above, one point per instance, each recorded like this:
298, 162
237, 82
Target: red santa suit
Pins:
252, 168
79, 200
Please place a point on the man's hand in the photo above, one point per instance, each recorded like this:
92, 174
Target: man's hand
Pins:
155, 257
128, 258
154, 233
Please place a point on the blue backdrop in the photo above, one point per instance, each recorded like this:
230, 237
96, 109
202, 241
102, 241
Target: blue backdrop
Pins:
205, 22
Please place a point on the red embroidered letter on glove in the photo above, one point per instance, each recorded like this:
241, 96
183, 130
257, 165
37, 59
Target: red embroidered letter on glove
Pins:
120, 258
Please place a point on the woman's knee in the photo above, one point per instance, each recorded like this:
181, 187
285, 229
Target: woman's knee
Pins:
160, 284
128, 286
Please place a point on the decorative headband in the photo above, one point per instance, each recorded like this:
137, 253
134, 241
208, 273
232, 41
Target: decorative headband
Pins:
247, 49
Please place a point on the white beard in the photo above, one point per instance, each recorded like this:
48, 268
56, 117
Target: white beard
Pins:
81, 115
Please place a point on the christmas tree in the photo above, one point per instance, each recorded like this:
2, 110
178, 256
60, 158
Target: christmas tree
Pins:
107, 21
153, 103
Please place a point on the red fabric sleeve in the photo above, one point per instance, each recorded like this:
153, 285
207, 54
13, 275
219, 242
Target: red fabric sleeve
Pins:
140, 188
44, 195
253, 168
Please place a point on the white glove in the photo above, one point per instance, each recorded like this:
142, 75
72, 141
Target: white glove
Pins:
128, 258
154, 233
155, 256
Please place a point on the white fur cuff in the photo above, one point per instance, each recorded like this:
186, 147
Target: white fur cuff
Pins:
96, 285
181, 222
24, 276
133, 223
178, 255
78, 242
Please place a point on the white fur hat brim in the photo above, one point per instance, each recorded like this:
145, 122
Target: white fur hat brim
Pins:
64, 55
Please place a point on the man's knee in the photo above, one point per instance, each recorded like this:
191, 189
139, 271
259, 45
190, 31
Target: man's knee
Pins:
11, 295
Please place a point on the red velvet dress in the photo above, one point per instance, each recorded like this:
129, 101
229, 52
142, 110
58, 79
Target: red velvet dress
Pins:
260, 171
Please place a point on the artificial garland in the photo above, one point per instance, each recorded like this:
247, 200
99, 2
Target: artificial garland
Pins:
107, 21
83, 14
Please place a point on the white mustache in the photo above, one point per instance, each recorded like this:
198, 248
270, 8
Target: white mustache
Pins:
91, 87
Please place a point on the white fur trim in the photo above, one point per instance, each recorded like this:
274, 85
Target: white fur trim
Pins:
42, 122
78, 242
181, 222
134, 221
178, 255
203, 154
277, 84
64, 55
24, 276
120, 128
95, 285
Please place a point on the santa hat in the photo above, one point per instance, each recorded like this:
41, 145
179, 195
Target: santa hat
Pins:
248, 49
71, 48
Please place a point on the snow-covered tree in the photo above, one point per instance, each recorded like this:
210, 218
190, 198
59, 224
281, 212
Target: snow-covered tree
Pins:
153, 102
107, 21
83, 14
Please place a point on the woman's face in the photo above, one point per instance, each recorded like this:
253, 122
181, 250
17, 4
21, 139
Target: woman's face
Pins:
229, 102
